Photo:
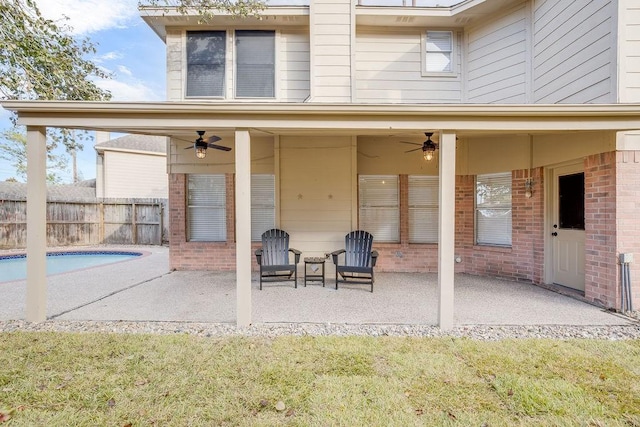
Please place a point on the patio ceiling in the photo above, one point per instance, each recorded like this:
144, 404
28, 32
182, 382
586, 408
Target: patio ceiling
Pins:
170, 118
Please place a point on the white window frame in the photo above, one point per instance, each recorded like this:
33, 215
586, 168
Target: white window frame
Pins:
423, 209
453, 53
379, 206
493, 214
263, 204
208, 210
230, 69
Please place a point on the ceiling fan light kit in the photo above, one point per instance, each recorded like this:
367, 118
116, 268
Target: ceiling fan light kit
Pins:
200, 145
428, 147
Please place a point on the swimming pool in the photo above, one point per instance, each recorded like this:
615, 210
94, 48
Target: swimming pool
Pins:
14, 267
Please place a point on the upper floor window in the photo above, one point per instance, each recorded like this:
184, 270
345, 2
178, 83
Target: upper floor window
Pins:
206, 52
438, 52
379, 197
254, 73
255, 64
493, 209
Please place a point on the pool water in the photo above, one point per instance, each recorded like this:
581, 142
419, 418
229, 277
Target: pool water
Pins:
14, 267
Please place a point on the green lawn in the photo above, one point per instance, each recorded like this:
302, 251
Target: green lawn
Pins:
118, 380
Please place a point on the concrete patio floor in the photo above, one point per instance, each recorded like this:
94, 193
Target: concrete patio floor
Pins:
145, 290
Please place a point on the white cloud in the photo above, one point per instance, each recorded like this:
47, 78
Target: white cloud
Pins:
88, 16
109, 56
129, 91
122, 69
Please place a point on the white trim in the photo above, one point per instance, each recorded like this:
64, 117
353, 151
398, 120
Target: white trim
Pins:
454, 54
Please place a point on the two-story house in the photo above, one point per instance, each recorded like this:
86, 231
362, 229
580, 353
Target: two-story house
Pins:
491, 137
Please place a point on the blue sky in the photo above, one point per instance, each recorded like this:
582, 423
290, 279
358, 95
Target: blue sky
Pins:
127, 48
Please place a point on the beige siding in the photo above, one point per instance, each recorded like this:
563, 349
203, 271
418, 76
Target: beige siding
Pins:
293, 60
629, 51
331, 31
315, 192
183, 160
175, 91
497, 64
572, 54
388, 69
135, 175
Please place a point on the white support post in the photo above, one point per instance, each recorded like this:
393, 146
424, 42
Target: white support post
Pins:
36, 303
446, 234
243, 228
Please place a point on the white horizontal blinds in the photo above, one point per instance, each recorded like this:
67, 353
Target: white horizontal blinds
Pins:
205, 63
493, 209
206, 199
263, 205
255, 64
423, 209
439, 51
380, 207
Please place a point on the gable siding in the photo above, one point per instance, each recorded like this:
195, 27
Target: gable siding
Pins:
629, 42
572, 51
331, 31
389, 69
497, 60
135, 175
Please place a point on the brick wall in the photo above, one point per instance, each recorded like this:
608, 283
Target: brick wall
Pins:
524, 260
627, 208
185, 255
600, 229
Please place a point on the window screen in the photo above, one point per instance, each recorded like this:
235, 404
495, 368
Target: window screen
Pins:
423, 209
380, 207
263, 205
205, 63
255, 64
207, 210
493, 209
439, 52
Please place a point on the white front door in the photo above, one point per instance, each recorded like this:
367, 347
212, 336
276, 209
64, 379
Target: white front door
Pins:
567, 227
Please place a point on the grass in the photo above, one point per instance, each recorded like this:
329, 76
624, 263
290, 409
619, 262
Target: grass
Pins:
131, 380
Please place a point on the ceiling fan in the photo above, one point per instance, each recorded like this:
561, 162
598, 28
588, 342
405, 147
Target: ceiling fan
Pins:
428, 147
200, 145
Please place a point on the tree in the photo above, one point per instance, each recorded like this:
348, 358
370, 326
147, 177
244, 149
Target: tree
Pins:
13, 148
206, 9
39, 59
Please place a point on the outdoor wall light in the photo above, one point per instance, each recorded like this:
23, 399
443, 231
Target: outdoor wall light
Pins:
528, 188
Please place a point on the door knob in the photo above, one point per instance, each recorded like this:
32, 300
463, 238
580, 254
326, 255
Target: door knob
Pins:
555, 233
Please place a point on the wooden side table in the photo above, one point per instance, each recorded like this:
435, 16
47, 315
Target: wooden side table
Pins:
318, 277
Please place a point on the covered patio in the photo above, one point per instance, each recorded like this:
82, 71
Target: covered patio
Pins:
144, 290
437, 297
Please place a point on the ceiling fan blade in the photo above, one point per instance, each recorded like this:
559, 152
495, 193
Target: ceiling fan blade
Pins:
213, 138
189, 148
415, 149
412, 143
219, 147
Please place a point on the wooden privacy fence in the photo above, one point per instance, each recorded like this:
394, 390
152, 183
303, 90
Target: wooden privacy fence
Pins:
116, 221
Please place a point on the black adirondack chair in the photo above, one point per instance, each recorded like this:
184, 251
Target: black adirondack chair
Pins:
273, 257
359, 259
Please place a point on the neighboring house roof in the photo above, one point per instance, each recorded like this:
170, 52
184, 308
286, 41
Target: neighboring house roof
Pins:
138, 143
81, 191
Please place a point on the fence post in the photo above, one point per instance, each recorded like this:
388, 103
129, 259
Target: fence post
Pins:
134, 228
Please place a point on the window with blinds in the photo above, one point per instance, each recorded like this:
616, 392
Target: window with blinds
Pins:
423, 209
263, 205
255, 64
379, 211
206, 63
493, 209
439, 52
207, 208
